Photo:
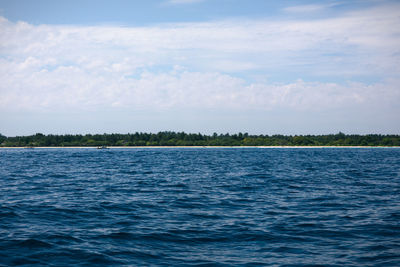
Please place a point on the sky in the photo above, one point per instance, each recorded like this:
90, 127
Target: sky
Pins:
225, 66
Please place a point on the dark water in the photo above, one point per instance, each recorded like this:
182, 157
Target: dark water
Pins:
188, 206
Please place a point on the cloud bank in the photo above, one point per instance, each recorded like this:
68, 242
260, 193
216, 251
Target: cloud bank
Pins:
230, 64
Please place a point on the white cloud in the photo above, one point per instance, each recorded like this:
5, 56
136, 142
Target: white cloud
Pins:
60, 67
73, 87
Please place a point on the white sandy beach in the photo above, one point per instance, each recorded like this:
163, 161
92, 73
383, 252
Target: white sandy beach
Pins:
141, 147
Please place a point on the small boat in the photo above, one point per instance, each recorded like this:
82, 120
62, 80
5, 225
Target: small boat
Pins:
102, 147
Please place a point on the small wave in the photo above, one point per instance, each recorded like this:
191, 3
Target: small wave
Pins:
118, 236
8, 214
30, 243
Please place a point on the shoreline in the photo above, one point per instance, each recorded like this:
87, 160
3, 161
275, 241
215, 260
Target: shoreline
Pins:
141, 147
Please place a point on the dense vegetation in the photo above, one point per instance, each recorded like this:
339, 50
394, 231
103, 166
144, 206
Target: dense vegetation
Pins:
185, 139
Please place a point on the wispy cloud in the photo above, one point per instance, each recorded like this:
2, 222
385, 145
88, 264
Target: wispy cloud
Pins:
180, 2
311, 8
305, 8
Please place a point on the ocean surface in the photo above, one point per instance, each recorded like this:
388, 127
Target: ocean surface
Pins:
200, 207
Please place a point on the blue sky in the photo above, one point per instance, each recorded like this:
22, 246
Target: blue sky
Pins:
271, 67
135, 13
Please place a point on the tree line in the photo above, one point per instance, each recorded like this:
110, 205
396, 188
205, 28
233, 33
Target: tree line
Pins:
168, 138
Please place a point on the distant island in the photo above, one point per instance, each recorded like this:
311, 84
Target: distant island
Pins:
168, 138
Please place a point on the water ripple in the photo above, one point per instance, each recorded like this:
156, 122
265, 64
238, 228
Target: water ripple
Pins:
200, 207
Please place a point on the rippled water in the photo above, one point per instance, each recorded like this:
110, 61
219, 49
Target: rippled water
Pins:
200, 206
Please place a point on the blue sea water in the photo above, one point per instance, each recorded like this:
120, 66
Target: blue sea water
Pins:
200, 207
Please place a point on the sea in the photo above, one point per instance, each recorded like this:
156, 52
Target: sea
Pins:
200, 207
